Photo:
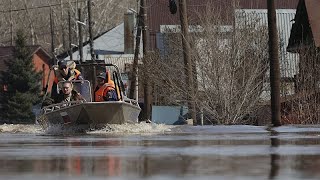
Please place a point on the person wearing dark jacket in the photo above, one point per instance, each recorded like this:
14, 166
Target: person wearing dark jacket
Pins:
66, 94
64, 72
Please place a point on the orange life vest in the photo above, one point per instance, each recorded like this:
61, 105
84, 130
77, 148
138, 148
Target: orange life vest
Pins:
77, 73
111, 83
102, 92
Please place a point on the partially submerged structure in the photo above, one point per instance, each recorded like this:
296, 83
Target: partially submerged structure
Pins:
303, 106
221, 94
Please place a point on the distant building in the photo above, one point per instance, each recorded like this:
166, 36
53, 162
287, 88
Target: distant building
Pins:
41, 59
114, 46
159, 14
305, 41
161, 21
233, 13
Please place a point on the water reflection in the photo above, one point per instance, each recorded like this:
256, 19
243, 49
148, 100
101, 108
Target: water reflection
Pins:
108, 165
275, 157
173, 156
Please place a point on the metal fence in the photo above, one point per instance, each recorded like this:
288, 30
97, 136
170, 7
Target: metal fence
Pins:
123, 63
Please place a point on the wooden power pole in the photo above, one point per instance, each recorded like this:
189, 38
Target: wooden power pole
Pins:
133, 82
52, 36
142, 28
11, 24
147, 85
70, 36
187, 60
274, 64
93, 58
90, 32
80, 46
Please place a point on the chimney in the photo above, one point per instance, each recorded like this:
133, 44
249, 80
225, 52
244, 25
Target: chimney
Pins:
129, 32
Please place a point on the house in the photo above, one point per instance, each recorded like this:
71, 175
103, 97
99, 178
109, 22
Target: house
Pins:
162, 22
232, 13
114, 46
303, 106
305, 41
305, 32
41, 58
158, 12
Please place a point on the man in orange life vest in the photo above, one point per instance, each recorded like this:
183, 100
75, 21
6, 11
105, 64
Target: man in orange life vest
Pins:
105, 90
64, 72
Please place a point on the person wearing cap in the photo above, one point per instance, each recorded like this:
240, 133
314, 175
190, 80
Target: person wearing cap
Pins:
64, 72
105, 90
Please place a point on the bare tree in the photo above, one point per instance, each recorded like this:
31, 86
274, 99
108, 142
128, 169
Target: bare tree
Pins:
33, 17
230, 66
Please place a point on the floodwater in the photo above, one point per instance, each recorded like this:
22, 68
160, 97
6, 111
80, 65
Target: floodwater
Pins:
160, 152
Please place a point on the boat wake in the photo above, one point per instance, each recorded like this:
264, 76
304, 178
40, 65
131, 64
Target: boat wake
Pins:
21, 128
136, 128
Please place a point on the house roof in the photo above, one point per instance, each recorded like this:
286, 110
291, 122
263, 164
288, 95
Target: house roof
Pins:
108, 42
6, 54
313, 7
306, 28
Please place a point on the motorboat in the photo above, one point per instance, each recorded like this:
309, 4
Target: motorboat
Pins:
87, 114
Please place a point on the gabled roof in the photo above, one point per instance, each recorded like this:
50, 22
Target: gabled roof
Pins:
86, 43
6, 53
306, 29
313, 7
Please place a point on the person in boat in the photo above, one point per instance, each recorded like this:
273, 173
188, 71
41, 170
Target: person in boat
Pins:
105, 90
66, 94
64, 72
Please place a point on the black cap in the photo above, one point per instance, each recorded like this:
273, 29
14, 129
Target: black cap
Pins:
102, 75
62, 64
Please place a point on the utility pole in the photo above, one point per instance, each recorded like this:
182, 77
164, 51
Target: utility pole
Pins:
93, 59
62, 27
90, 32
80, 46
274, 64
147, 86
134, 76
52, 36
11, 23
187, 60
70, 36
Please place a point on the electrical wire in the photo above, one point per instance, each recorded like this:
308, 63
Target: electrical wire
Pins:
39, 7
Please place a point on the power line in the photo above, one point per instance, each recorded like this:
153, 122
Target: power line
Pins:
38, 7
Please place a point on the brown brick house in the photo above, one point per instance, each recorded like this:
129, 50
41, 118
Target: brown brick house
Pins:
41, 59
